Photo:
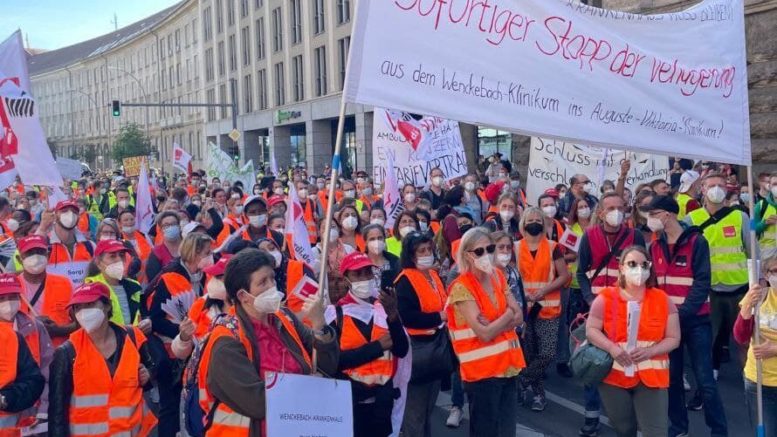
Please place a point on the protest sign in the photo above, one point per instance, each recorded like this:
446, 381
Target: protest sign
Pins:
144, 208
182, 160
663, 83
416, 146
555, 162
132, 165
23, 147
392, 202
302, 405
69, 168
296, 228
221, 165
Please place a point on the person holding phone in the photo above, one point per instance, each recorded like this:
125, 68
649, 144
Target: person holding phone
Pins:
371, 339
386, 264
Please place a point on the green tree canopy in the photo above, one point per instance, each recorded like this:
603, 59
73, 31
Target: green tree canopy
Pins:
132, 141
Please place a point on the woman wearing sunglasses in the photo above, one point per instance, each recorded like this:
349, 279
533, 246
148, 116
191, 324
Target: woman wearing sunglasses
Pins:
544, 273
767, 349
634, 393
482, 317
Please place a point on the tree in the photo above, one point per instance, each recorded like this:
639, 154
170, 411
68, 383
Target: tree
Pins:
89, 154
132, 141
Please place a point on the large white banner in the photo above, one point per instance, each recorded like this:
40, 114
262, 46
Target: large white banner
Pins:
219, 164
555, 162
671, 83
23, 147
416, 146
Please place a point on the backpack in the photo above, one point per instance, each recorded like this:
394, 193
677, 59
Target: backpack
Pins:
195, 420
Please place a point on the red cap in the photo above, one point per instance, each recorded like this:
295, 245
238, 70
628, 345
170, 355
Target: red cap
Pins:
493, 192
66, 204
109, 246
33, 242
355, 261
219, 267
275, 200
552, 192
88, 293
9, 284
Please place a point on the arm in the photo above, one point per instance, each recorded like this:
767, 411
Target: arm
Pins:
760, 223
26, 388
583, 265
161, 324
702, 276
621, 184
326, 346
153, 267
562, 276
594, 332
60, 391
234, 380
362, 355
410, 308
743, 330
470, 311
671, 336
399, 339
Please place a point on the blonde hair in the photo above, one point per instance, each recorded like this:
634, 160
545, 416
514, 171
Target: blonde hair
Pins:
193, 245
468, 241
529, 211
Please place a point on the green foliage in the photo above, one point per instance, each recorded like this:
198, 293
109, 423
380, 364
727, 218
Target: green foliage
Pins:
131, 141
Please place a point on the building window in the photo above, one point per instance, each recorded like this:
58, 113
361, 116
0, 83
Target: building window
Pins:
230, 12
220, 16
210, 97
248, 94
277, 30
232, 53
298, 145
222, 69
194, 30
298, 78
223, 100
320, 62
243, 8
343, 11
343, 47
280, 87
258, 4
261, 88
245, 42
186, 35
319, 20
161, 48
177, 40
197, 66
259, 29
296, 21
491, 141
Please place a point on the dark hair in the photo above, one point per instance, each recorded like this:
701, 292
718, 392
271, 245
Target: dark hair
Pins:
26, 214
167, 214
239, 244
454, 196
237, 275
274, 217
405, 213
371, 227
104, 300
358, 228
378, 208
424, 213
122, 188
572, 217
126, 211
179, 194
651, 282
409, 246
4, 202
216, 191
545, 196
656, 182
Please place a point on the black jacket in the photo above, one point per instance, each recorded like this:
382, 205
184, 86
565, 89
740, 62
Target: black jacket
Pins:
26, 388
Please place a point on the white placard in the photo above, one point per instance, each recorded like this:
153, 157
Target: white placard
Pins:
665, 83
301, 405
570, 240
554, 162
416, 146
69, 168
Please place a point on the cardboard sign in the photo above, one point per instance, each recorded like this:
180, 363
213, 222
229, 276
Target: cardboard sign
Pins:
132, 165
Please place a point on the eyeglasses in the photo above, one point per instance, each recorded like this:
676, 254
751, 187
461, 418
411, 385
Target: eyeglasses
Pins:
772, 272
634, 264
481, 250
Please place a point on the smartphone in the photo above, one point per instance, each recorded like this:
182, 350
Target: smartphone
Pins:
387, 278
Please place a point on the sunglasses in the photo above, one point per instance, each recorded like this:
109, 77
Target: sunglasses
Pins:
481, 250
634, 264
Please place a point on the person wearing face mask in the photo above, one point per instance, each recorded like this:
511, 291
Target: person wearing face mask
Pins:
255, 219
162, 254
46, 293
554, 229
507, 217
349, 194
336, 285
372, 340
436, 191
405, 224
258, 336
204, 311
409, 197
124, 202
639, 377
22, 380
681, 259
544, 272
728, 233
421, 300
387, 264
138, 240
70, 252
311, 209
764, 353
6, 225
580, 188
482, 315
87, 223
597, 268
367, 193
102, 367
686, 194
377, 215
766, 220
350, 225
288, 273
475, 199
172, 293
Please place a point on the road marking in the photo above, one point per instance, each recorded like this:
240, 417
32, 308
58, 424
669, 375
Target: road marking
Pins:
566, 403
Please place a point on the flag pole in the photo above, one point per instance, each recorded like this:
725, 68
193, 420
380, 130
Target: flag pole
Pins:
754, 278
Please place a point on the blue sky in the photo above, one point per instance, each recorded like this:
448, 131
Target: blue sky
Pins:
52, 24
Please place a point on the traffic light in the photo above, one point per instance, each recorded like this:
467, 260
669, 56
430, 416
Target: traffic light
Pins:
116, 108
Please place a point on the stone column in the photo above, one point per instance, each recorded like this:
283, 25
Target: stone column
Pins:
319, 145
280, 145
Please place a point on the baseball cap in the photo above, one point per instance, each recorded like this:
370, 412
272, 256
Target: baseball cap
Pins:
88, 293
275, 200
251, 199
687, 179
109, 246
33, 242
493, 191
64, 204
9, 284
662, 203
219, 267
355, 261
190, 227
552, 192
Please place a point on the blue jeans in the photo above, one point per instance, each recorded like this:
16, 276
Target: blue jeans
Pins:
593, 402
770, 406
697, 338
457, 390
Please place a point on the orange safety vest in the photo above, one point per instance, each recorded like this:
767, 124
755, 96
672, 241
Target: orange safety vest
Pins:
455, 250
105, 405
431, 297
83, 223
57, 291
227, 422
177, 286
654, 315
537, 272
199, 315
294, 272
8, 363
378, 371
310, 221
74, 268
143, 248
480, 360
435, 227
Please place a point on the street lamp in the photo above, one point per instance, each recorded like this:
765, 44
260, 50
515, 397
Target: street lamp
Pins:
91, 99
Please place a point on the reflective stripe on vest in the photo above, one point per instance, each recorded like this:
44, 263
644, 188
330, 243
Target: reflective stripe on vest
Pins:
75, 267
537, 271
378, 371
431, 298
727, 253
675, 276
599, 249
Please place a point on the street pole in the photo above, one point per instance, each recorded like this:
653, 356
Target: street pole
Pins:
233, 92
754, 279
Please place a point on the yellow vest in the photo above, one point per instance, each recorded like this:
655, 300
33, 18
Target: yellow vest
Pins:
682, 202
393, 246
768, 332
118, 316
769, 238
578, 230
727, 253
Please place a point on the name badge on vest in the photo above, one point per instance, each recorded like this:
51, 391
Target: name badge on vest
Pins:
682, 261
729, 231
